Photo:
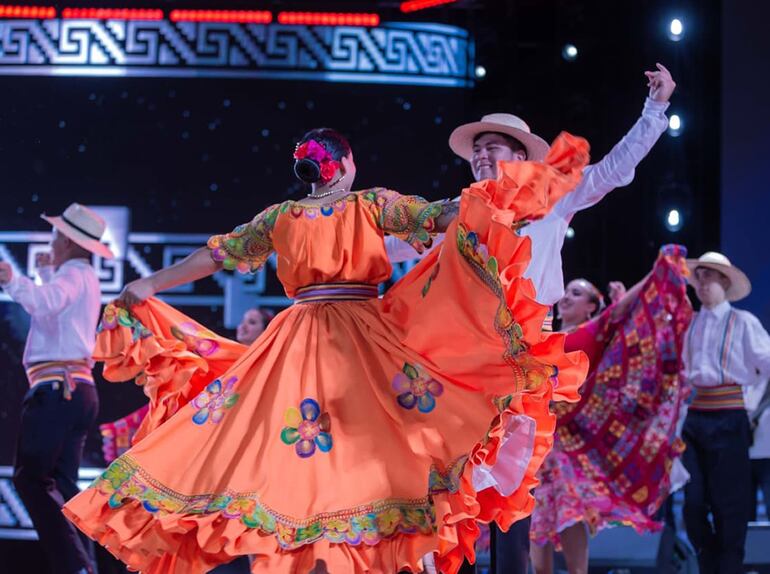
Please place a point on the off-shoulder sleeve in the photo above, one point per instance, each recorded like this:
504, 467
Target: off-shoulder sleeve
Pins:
247, 247
407, 217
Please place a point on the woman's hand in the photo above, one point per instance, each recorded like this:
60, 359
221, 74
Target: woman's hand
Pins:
136, 292
449, 210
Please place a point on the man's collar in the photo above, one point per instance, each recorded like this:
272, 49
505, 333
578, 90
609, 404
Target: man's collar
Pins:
719, 311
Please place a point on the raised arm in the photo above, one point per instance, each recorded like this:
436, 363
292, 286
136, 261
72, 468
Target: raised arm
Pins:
617, 168
622, 298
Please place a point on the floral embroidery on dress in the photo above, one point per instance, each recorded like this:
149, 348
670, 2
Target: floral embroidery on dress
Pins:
529, 373
114, 316
408, 217
197, 339
369, 524
214, 400
416, 388
307, 428
486, 267
297, 209
247, 247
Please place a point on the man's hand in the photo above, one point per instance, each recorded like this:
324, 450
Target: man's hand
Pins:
661, 84
135, 292
42, 260
6, 273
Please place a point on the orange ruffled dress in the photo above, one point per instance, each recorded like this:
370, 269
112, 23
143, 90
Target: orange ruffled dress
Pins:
357, 433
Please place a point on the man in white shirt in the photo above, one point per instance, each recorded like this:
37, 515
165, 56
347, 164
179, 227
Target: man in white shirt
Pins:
725, 349
505, 137
61, 404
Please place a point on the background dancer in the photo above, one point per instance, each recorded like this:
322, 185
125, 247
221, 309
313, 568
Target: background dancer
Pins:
725, 349
61, 404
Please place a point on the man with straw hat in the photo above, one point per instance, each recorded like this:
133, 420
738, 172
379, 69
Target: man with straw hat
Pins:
725, 349
61, 404
505, 137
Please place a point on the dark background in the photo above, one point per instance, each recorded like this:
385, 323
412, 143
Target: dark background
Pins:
201, 155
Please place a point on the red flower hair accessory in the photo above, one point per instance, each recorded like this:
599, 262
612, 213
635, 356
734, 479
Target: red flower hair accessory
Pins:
311, 149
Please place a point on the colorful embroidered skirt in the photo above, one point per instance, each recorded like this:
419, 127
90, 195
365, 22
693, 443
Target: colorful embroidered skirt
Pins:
614, 450
354, 435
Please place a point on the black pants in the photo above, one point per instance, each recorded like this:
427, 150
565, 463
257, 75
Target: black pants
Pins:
717, 458
509, 551
53, 432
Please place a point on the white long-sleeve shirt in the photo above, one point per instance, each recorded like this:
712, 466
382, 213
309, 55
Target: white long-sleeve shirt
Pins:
64, 311
616, 169
725, 345
752, 396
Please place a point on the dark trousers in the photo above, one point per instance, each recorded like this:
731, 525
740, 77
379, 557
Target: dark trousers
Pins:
509, 551
717, 458
53, 432
760, 482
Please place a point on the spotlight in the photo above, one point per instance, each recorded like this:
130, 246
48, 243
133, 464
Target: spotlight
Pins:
675, 30
675, 125
481, 72
674, 220
570, 233
569, 52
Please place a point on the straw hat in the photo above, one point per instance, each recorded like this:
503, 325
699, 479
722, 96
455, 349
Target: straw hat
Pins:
740, 286
84, 227
461, 140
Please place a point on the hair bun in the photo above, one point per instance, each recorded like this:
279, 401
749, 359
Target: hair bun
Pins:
307, 170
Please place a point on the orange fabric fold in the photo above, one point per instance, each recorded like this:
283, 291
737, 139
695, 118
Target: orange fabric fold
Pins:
357, 434
169, 355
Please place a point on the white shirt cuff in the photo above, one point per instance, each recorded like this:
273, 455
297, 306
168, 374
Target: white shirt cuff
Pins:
655, 108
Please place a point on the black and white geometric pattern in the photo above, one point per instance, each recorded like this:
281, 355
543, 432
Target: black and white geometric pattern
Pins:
15, 523
393, 53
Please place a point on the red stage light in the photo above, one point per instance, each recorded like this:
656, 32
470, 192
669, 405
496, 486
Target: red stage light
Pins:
36, 12
111, 14
239, 16
328, 19
414, 5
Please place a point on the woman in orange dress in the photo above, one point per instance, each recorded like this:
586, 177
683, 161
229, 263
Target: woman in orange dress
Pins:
356, 434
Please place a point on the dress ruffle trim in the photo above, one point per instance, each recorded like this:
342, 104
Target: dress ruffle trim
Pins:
172, 369
543, 372
142, 522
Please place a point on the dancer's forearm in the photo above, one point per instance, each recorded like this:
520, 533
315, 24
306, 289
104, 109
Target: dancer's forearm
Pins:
197, 265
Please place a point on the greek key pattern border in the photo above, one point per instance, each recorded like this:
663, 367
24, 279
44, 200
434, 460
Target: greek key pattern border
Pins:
392, 53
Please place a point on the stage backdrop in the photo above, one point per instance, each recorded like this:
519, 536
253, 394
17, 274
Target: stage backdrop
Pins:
746, 147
